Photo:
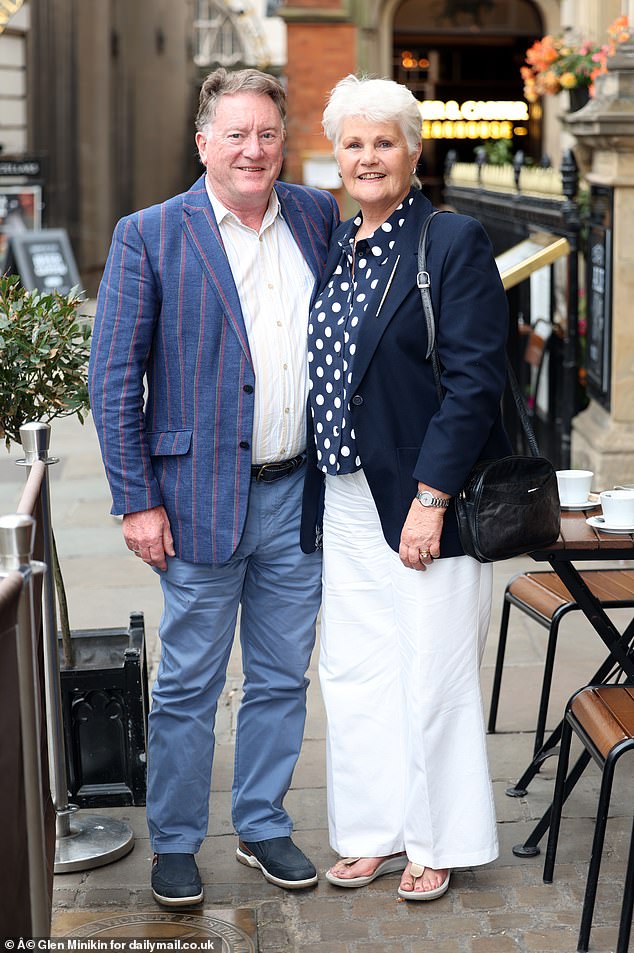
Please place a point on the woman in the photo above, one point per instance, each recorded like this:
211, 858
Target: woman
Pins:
405, 612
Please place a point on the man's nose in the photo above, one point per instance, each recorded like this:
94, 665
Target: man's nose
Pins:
252, 144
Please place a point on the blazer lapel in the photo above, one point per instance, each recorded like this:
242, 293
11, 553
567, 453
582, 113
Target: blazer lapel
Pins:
398, 277
203, 234
302, 230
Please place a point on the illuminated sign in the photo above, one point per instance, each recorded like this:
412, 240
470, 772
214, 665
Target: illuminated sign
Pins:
472, 119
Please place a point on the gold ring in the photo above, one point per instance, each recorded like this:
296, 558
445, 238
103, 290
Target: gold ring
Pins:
423, 554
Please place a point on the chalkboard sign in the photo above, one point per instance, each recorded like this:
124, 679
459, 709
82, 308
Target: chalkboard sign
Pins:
44, 260
599, 285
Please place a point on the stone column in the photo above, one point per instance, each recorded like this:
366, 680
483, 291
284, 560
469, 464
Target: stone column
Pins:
602, 438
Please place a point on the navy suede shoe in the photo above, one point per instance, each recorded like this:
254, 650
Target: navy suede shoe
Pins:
281, 862
175, 880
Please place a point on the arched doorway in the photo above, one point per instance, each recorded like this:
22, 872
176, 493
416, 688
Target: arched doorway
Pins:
459, 58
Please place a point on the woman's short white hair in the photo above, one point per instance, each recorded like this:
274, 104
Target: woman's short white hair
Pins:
377, 100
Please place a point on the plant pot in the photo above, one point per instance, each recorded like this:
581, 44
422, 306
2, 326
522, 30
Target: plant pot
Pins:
578, 97
105, 708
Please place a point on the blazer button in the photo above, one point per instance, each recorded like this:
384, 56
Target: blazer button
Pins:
248, 389
357, 399
244, 444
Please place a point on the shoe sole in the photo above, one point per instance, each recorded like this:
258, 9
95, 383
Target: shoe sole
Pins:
426, 894
177, 901
390, 866
249, 860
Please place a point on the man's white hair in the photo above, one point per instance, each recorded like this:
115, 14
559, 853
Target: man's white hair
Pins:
377, 100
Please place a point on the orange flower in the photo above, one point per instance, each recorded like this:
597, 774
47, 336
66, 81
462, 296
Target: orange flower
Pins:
552, 65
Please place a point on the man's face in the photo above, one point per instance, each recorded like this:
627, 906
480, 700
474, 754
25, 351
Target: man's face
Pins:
243, 151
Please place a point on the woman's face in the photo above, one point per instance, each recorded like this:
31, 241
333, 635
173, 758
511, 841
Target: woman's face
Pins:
376, 164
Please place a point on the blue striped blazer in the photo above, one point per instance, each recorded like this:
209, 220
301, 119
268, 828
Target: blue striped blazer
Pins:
168, 317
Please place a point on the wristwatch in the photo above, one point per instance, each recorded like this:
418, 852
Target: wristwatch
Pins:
425, 498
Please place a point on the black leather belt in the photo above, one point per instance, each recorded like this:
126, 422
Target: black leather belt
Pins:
270, 472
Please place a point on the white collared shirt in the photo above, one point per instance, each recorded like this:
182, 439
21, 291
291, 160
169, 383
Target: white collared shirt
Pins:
274, 285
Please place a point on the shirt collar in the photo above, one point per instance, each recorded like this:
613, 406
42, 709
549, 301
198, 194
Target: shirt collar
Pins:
221, 212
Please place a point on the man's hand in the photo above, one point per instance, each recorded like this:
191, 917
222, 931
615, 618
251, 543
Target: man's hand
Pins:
147, 533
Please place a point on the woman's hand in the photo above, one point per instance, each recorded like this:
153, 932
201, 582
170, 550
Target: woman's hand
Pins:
420, 536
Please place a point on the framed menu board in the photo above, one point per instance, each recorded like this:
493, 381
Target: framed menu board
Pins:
44, 260
599, 285
20, 211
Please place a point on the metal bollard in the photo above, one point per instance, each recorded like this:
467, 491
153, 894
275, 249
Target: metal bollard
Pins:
16, 547
82, 841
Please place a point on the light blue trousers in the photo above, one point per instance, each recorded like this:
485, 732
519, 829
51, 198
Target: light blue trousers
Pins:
278, 588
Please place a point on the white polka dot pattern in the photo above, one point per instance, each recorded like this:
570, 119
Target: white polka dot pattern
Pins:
351, 297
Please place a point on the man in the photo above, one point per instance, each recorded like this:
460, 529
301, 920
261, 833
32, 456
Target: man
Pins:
205, 298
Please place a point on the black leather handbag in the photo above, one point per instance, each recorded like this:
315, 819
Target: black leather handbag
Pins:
510, 506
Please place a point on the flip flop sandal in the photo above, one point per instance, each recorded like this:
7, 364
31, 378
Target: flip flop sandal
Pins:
417, 871
388, 866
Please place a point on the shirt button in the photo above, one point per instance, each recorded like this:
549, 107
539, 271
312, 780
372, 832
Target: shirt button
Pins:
357, 399
244, 444
270, 286
279, 324
248, 389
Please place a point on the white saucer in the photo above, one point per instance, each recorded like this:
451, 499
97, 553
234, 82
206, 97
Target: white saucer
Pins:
576, 507
597, 522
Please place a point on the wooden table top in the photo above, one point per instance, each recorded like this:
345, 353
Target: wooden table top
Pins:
585, 541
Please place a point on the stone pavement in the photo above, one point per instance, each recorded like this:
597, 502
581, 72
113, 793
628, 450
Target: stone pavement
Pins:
502, 908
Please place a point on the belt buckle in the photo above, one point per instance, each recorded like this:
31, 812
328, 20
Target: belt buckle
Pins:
261, 471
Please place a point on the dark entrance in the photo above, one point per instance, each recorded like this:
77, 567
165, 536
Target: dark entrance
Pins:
457, 51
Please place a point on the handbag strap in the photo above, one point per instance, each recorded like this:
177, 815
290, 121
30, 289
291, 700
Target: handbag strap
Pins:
423, 282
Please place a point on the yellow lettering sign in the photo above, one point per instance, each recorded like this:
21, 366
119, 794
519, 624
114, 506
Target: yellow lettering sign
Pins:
471, 129
473, 110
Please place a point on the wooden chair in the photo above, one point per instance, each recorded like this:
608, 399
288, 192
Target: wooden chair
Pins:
543, 597
603, 719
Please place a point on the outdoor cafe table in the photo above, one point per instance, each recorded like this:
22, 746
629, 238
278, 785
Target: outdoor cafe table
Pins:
579, 542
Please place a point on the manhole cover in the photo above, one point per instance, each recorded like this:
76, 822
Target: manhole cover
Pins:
177, 931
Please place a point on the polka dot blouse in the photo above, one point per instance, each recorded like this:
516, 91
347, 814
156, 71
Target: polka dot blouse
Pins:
333, 332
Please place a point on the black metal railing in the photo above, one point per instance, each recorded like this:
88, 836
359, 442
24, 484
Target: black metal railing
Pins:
513, 202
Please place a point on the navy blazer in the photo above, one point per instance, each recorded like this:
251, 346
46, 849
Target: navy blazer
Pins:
168, 315
403, 434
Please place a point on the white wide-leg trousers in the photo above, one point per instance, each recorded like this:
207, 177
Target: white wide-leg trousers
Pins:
399, 668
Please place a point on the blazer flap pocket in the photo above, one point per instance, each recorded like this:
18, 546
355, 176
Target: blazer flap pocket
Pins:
169, 442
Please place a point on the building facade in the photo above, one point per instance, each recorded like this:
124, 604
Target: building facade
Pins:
103, 93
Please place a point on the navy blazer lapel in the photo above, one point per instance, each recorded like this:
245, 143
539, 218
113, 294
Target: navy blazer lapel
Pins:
203, 234
398, 278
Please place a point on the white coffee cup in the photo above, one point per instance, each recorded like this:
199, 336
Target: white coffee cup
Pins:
574, 486
618, 507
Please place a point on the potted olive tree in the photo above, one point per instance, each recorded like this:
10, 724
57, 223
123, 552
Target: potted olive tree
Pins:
45, 347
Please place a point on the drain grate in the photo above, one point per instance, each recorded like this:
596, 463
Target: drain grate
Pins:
218, 931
